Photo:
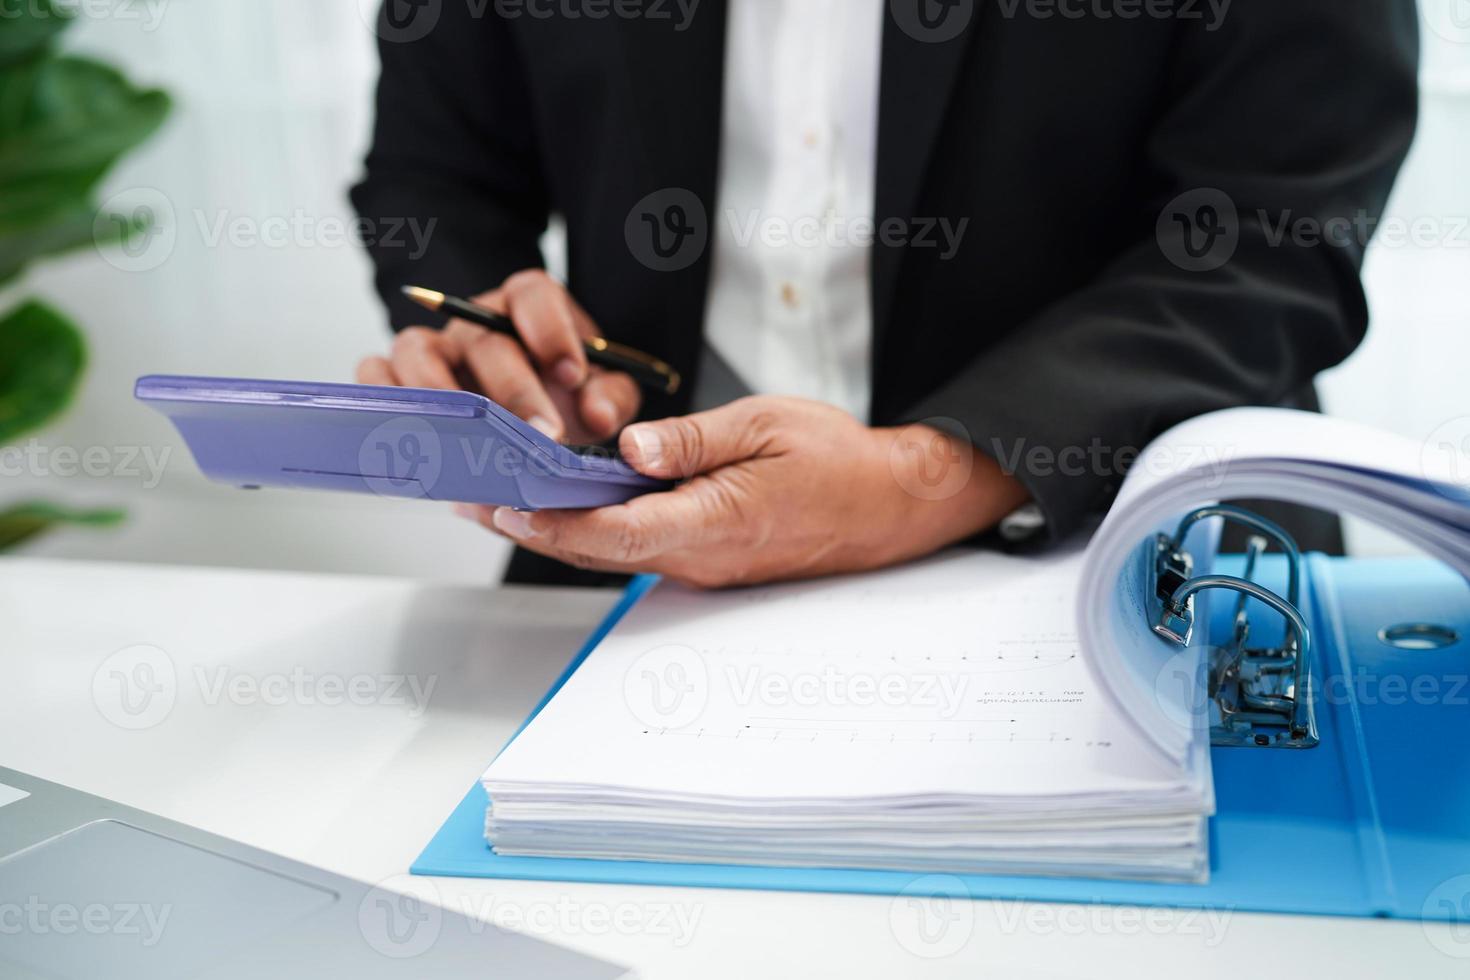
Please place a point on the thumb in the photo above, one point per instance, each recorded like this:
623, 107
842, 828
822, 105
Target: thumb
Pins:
679, 448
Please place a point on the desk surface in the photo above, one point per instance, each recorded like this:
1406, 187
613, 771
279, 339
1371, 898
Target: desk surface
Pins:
337, 720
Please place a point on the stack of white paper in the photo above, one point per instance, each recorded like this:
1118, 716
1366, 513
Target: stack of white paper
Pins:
971, 713
1418, 489
935, 717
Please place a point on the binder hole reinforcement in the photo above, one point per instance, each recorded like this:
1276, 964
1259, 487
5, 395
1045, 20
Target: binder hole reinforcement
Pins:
1419, 636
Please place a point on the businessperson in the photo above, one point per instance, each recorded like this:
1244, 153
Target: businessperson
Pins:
970, 253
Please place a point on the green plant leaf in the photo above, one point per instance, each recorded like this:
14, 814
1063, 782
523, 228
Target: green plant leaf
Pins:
28, 202
62, 115
41, 360
70, 228
73, 223
27, 28
63, 123
21, 522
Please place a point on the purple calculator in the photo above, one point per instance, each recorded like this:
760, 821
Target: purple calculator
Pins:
394, 442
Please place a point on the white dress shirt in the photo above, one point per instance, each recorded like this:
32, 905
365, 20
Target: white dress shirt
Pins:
789, 303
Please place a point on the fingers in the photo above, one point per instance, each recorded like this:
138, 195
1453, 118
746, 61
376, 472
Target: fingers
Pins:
550, 323
607, 402
678, 448
516, 527
614, 535
501, 369
630, 536
423, 358
552, 327
375, 371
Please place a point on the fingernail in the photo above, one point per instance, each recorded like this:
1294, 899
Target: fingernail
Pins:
567, 373
646, 445
605, 411
516, 523
468, 511
544, 425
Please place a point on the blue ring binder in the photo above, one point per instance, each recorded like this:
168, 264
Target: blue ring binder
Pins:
1373, 823
1259, 697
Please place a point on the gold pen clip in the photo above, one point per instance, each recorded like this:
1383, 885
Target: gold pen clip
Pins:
672, 379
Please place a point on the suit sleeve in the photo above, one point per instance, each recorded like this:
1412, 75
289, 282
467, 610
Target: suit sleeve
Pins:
453, 150
1289, 117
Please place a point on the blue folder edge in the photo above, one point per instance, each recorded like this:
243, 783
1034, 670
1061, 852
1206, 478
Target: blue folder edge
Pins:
1303, 832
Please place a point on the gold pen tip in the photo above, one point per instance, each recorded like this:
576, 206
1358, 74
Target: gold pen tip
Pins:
428, 298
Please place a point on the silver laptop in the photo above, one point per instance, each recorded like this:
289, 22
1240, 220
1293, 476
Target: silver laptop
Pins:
92, 890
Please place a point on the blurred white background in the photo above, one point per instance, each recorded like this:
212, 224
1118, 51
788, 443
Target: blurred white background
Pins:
273, 108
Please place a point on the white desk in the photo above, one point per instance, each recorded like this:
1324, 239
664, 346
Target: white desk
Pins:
271, 724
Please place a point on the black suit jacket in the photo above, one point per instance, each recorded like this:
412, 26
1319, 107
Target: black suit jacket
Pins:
1141, 197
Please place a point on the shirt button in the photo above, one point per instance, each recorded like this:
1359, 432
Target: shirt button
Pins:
790, 296
811, 139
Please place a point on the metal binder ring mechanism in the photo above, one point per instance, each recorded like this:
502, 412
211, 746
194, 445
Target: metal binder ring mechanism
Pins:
1259, 696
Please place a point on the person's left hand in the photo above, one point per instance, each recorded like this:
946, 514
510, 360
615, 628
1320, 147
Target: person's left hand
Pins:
778, 488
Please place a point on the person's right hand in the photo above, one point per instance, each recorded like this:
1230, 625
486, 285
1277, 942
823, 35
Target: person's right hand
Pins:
545, 378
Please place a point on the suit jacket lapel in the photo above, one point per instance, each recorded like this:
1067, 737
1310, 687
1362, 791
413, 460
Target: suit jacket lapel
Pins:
675, 68
924, 45
677, 79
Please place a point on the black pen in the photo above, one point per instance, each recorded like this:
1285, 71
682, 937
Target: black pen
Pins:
644, 368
